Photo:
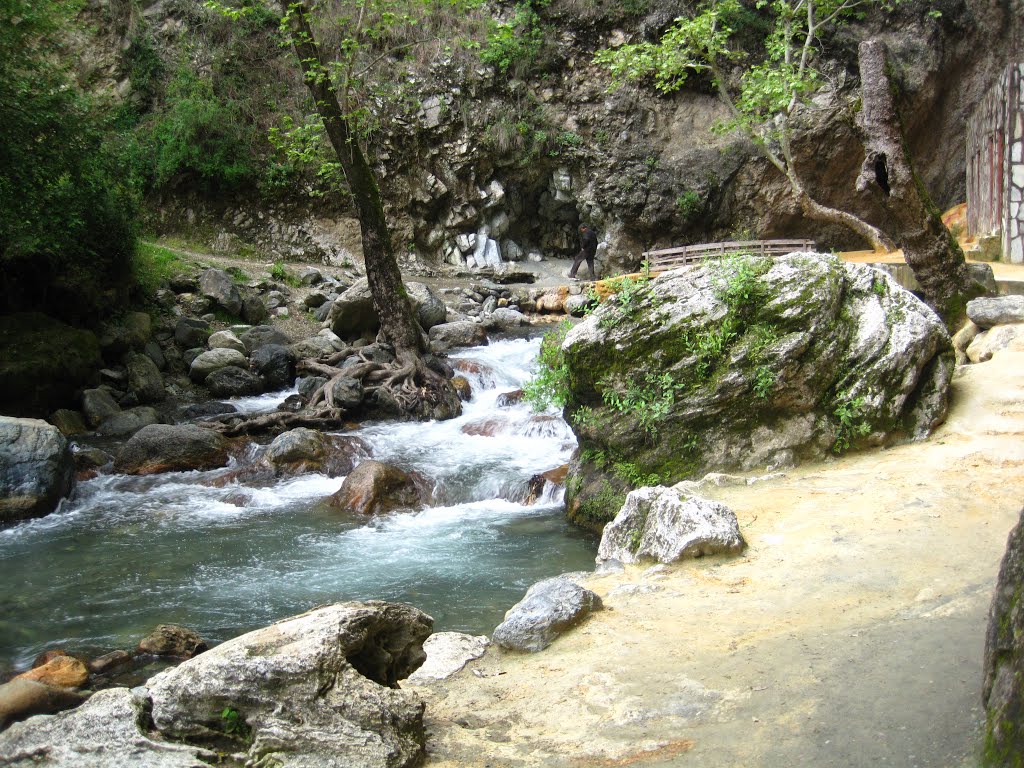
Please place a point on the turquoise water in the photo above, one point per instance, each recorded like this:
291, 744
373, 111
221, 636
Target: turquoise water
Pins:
128, 553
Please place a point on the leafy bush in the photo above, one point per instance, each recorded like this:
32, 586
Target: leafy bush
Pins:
199, 138
67, 229
550, 384
513, 46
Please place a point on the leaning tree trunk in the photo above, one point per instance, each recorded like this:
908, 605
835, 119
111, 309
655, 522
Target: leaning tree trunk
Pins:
411, 386
390, 299
929, 248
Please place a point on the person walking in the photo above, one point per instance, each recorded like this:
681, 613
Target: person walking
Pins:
588, 248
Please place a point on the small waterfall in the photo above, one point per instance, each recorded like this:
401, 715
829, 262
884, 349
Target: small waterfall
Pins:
207, 551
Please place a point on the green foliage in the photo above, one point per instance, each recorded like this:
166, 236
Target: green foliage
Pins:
233, 724
648, 399
549, 386
198, 139
627, 293
513, 46
67, 231
850, 423
153, 265
302, 148
690, 204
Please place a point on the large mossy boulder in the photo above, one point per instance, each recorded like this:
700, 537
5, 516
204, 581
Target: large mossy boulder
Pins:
745, 363
44, 363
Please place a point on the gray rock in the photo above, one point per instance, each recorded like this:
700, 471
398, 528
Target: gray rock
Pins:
315, 299
274, 363
986, 344
302, 450
314, 346
156, 354
36, 468
504, 319
314, 691
261, 335
308, 385
172, 640
352, 314
218, 286
144, 378
190, 332
463, 333
999, 310
254, 311
130, 332
578, 305
128, 422
70, 423
231, 381
98, 405
447, 653
102, 733
1003, 690
666, 525
310, 276
172, 448
346, 393
226, 340
430, 310
550, 608
210, 361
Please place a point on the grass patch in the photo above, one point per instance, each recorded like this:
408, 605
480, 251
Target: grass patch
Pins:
154, 264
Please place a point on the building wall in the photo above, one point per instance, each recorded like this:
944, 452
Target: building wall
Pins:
995, 165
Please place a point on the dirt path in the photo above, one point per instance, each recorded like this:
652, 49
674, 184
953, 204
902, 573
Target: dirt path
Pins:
850, 634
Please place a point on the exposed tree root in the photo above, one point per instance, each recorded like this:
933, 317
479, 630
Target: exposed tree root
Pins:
405, 389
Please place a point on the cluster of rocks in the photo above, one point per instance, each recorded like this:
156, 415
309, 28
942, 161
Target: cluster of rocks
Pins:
58, 680
307, 691
993, 324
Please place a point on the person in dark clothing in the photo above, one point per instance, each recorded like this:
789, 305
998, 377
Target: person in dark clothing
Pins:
588, 247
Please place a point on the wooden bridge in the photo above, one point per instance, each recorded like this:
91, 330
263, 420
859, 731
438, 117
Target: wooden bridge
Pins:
670, 258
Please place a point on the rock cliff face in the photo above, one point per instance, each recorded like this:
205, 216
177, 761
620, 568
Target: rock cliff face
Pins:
743, 364
479, 162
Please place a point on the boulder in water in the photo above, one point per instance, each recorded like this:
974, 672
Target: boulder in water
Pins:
462, 333
36, 468
172, 448
173, 640
21, 698
374, 488
61, 671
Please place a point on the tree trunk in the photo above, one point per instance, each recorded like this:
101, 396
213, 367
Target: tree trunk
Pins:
390, 299
929, 248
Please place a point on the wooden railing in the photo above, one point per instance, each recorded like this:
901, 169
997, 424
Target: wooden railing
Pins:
670, 258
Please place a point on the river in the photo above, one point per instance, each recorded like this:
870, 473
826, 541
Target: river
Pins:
126, 553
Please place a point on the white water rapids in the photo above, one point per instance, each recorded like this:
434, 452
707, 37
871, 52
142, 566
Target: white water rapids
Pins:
126, 553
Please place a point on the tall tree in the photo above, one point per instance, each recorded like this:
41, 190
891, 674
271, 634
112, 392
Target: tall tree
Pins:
767, 98
419, 390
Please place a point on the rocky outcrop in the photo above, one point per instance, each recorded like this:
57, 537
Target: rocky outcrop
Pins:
666, 525
549, 609
315, 690
748, 363
36, 468
171, 448
374, 488
1003, 692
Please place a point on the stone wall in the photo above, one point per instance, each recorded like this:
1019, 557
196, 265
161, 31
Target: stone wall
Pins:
995, 164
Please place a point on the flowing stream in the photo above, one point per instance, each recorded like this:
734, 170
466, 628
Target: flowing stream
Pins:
126, 553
